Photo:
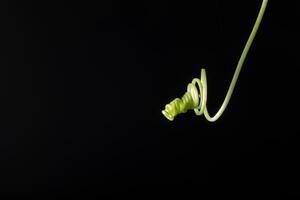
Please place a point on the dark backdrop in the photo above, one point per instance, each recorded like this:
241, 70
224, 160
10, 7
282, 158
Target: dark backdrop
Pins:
83, 85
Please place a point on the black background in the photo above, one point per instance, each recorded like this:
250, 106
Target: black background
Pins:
83, 85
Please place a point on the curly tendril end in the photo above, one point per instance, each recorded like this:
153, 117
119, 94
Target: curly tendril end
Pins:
194, 98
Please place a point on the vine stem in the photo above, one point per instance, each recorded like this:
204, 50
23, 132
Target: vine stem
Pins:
239, 66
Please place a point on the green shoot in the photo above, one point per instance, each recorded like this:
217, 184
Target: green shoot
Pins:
196, 98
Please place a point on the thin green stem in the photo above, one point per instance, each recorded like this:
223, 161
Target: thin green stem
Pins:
190, 100
239, 66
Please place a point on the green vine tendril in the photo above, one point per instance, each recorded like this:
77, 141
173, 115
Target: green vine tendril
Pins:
195, 98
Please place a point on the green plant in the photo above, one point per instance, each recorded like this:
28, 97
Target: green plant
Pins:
196, 98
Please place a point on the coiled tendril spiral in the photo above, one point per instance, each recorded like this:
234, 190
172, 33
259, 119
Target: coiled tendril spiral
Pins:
195, 98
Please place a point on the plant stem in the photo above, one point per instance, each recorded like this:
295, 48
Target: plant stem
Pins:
239, 65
